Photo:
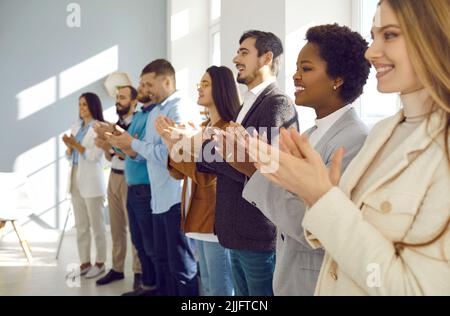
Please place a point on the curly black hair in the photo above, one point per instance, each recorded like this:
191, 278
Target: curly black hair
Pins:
343, 50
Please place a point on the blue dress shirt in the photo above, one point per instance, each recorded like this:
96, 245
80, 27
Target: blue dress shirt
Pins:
79, 137
166, 191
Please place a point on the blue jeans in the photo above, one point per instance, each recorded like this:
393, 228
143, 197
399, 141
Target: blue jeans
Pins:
141, 230
215, 269
252, 272
176, 267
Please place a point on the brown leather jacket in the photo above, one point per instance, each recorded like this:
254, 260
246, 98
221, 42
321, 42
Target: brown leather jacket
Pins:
202, 203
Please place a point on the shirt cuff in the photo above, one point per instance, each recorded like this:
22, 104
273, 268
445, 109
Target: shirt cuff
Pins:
136, 145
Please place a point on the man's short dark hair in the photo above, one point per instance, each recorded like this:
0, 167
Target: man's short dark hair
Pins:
133, 91
160, 67
266, 42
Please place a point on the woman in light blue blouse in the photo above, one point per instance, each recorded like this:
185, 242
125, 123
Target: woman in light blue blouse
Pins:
86, 185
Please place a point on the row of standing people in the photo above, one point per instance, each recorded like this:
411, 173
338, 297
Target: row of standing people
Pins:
255, 226
127, 190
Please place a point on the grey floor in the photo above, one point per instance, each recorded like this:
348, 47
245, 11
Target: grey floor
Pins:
45, 276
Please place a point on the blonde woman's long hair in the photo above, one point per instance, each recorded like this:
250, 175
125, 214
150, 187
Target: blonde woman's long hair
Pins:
426, 28
425, 25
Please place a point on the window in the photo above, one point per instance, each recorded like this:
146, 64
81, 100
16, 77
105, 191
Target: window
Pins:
216, 56
215, 11
373, 106
214, 33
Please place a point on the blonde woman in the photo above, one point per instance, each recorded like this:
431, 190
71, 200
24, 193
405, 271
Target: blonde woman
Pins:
385, 229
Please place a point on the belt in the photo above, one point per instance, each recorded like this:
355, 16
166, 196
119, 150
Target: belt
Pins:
117, 171
139, 186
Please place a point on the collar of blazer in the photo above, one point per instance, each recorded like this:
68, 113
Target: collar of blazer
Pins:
335, 129
77, 127
417, 142
267, 91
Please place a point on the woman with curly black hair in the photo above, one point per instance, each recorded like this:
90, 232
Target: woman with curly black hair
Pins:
331, 73
331, 69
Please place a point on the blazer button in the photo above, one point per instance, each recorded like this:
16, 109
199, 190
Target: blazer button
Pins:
282, 237
386, 207
334, 275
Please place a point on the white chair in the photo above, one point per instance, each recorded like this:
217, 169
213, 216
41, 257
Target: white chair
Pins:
15, 203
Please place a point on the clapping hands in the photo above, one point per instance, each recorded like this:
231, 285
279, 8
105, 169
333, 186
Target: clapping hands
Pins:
296, 166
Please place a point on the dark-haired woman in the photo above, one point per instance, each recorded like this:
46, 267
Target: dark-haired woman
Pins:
86, 185
218, 93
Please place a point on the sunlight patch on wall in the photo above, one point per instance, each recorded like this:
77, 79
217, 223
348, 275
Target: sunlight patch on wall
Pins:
88, 71
294, 43
35, 98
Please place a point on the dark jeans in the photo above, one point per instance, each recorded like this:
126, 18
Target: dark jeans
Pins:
252, 272
141, 230
176, 267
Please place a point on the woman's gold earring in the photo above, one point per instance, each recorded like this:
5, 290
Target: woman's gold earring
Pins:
334, 88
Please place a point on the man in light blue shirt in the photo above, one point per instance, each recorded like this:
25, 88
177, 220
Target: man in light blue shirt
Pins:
165, 189
176, 267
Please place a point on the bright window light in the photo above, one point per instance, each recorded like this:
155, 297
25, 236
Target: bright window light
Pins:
215, 9
216, 55
180, 25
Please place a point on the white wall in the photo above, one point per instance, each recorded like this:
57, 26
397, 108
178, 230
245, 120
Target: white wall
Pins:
188, 44
42, 49
39, 99
289, 20
239, 16
301, 15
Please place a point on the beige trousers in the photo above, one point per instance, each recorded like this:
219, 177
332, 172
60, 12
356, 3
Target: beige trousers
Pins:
118, 219
88, 215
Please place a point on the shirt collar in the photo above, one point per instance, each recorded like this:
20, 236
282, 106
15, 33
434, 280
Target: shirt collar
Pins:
148, 108
329, 120
263, 85
89, 125
127, 121
171, 97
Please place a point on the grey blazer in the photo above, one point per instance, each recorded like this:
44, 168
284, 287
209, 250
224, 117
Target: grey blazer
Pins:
297, 264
